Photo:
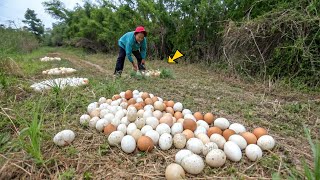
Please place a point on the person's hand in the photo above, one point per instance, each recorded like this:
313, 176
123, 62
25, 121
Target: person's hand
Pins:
143, 61
135, 67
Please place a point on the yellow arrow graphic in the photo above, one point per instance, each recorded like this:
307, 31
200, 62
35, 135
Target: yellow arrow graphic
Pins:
176, 55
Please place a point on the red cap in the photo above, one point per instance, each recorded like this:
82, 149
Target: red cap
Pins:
140, 29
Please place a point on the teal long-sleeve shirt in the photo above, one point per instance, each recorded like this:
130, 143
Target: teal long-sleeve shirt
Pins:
129, 43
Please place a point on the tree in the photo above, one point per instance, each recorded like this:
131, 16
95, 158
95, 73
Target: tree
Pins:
35, 25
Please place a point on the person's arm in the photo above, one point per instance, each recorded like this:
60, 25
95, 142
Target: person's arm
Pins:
144, 50
129, 51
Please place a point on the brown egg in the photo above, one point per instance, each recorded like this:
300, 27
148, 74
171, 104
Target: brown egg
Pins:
170, 110
138, 106
178, 115
189, 124
109, 101
166, 103
166, 119
170, 103
143, 103
148, 101
258, 132
109, 129
115, 97
145, 95
128, 94
188, 133
198, 116
145, 143
154, 99
131, 101
214, 130
95, 113
227, 133
249, 137
209, 117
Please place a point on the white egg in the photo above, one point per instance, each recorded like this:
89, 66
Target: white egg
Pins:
222, 123
92, 106
108, 117
238, 128
145, 129
165, 141
124, 105
148, 107
139, 99
209, 147
182, 154
102, 100
135, 92
151, 95
115, 138
177, 107
163, 128
119, 114
253, 152
140, 122
216, 158
84, 119
131, 127
154, 135
195, 145
157, 114
174, 171
140, 113
93, 121
64, 137
266, 142
122, 128
125, 121
101, 123
233, 151
122, 94
218, 139
128, 144
239, 140
203, 124
115, 122
103, 112
179, 141
153, 122
186, 111
203, 137
193, 164
200, 130
189, 116
176, 128
104, 106
147, 113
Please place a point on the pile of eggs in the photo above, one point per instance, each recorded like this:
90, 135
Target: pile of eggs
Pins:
58, 71
148, 73
134, 119
59, 82
46, 58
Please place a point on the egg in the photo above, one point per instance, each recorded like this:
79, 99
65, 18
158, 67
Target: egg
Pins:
227, 133
154, 135
170, 104
132, 101
122, 128
238, 128
189, 116
193, 164
167, 120
148, 108
186, 111
145, 143
179, 141
266, 142
148, 101
128, 144
214, 130
109, 129
128, 94
200, 130
115, 97
115, 138
154, 99
163, 128
138, 106
176, 128
178, 115
115, 122
216, 158
101, 123
209, 147
145, 95
188, 133
253, 152
182, 154
208, 117
95, 113
195, 145
145, 129
233, 151
140, 122
131, 127
239, 140
218, 139
177, 107
159, 106
125, 121
64, 137
203, 124
157, 114
258, 132
174, 171
203, 137
84, 119
249, 137
180, 120
165, 141
198, 116
169, 110
152, 121
136, 134
222, 123
189, 124
147, 113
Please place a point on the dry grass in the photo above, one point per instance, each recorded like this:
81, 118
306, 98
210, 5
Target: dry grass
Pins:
199, 87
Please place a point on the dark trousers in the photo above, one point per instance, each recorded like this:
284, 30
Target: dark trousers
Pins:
122, 57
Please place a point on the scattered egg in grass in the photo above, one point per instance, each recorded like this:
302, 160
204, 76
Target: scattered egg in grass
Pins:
266, 142
253, 152
64, 137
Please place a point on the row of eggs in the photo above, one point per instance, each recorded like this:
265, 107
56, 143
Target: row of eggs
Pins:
46, 58
58, 71
59, 82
